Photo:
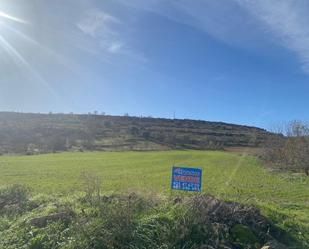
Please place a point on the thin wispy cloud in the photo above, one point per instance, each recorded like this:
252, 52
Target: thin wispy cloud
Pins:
116, 47
94, 21
242, 23
106, 34
102, 30
287, 21
213, 17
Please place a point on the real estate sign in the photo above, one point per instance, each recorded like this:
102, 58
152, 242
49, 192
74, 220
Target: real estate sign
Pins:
187, 179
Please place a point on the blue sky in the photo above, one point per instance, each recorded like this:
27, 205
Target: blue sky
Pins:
237, 61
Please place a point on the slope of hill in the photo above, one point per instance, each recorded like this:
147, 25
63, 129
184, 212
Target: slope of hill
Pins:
40, 133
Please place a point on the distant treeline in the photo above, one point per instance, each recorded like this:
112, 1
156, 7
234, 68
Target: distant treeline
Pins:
25, 133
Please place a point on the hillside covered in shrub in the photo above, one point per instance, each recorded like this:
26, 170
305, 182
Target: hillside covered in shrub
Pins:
42, 133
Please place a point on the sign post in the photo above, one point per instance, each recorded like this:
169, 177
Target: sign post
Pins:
187, 179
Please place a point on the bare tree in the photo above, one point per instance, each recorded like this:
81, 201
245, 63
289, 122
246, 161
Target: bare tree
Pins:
291, 149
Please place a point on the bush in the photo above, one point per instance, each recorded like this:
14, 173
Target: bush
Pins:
290, 151
133, 222
13, 200
202, 222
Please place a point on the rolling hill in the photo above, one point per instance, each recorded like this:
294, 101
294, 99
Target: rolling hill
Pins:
26, 133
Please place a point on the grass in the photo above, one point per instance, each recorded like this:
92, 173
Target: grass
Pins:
228, 176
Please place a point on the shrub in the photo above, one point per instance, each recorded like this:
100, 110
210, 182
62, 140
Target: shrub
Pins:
290, 151
133, 222
13, 200
92, 186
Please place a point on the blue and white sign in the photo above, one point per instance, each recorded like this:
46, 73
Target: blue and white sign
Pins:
188, 179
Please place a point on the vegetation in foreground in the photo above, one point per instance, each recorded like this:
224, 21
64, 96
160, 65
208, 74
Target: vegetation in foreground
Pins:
93, 221
282, 198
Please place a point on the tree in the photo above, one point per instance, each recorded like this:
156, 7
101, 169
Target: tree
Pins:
291, 150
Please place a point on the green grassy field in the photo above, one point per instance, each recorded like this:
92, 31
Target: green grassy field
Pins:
229, 176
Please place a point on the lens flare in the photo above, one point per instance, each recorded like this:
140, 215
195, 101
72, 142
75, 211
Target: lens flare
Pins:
15, 55
11, 18
19, 59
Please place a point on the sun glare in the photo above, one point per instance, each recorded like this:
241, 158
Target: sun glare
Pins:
17, 57
11, 18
